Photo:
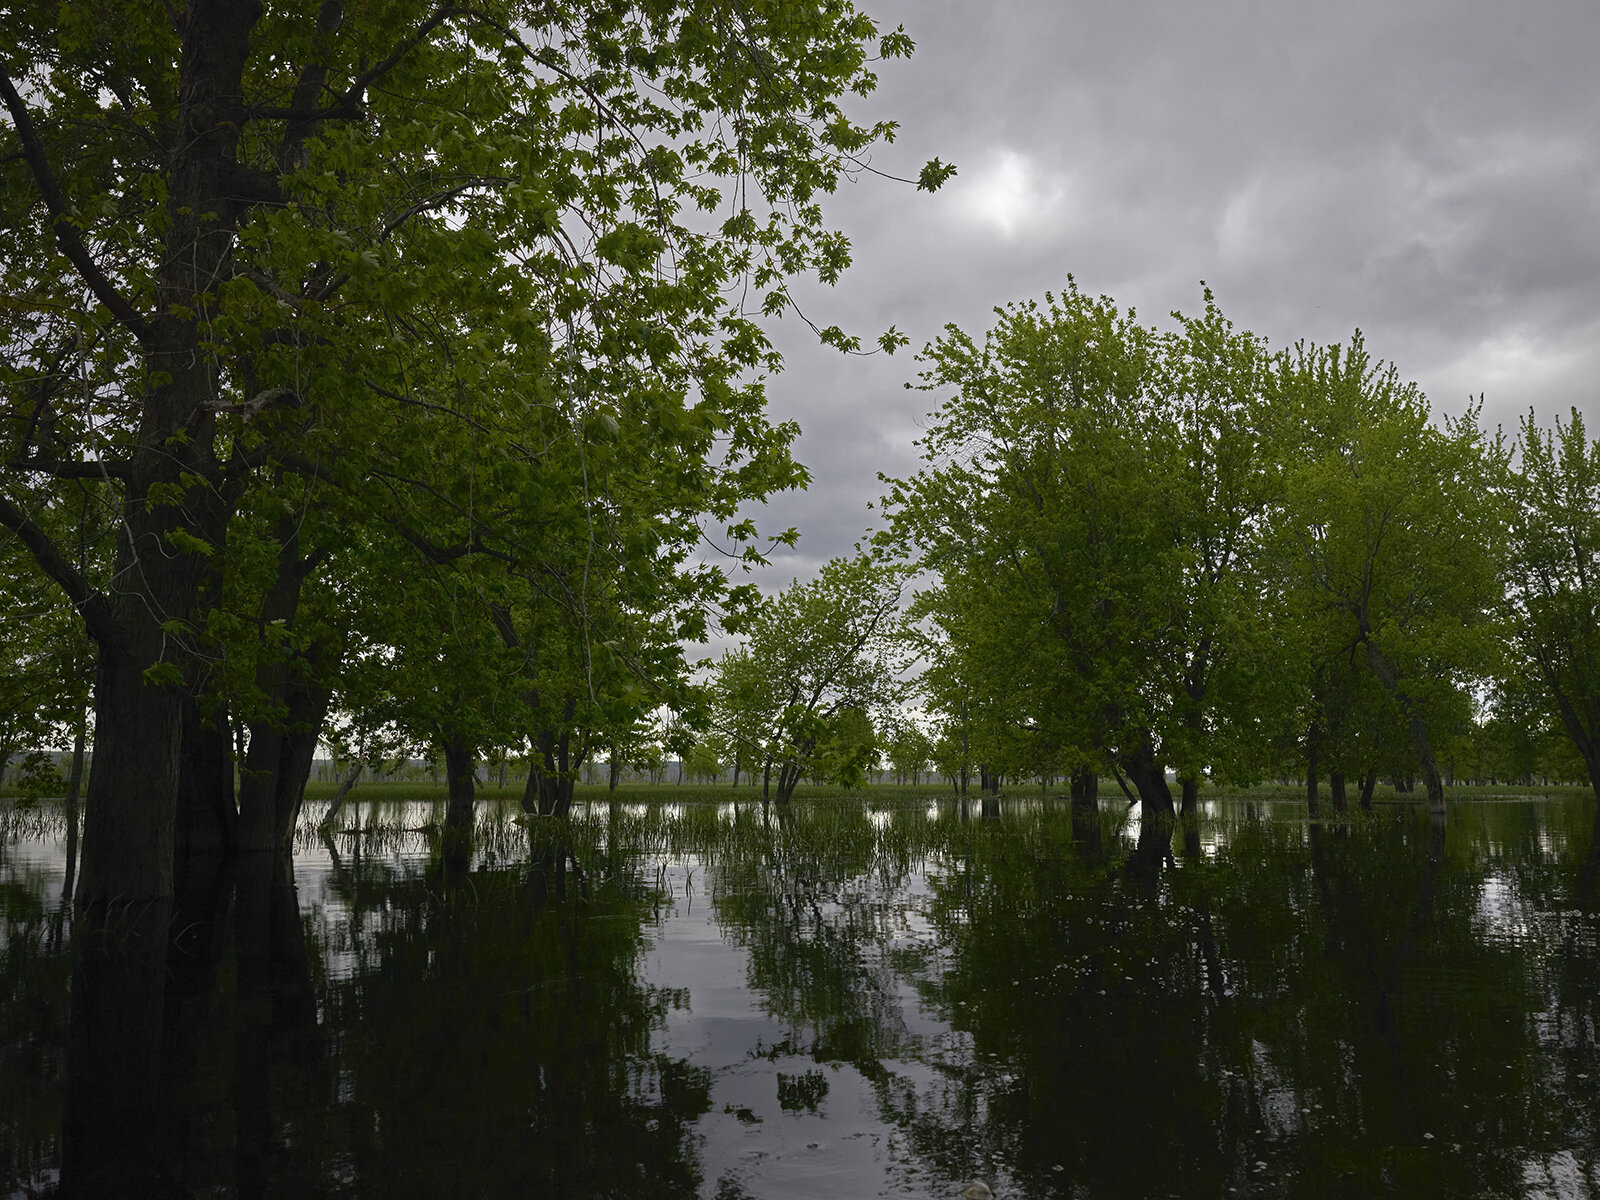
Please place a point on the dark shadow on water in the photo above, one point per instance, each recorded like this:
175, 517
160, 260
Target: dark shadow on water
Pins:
1374, 1005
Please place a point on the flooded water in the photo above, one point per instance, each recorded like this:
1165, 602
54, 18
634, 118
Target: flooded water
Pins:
849, 999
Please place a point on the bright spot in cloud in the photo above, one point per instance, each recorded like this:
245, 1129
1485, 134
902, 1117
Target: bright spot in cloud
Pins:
1010, 194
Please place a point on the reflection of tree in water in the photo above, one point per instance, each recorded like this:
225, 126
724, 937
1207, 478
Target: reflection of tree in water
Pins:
813, 895
1364, 1037
1331, 1010
35, 965
424, 1034
1320, 1012
495, 1037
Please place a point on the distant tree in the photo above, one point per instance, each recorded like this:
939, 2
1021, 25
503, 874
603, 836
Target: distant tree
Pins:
704, 763
909, 749
814, 652
849, 752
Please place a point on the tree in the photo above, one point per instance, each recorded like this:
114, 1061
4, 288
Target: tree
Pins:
1554, 577
909, 750
1093, 508
818, 658
260, 243
1393, 525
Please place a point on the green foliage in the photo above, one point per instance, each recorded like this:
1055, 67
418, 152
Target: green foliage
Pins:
407, 342
1178, 550
801, 696
1554, 577
1093, 507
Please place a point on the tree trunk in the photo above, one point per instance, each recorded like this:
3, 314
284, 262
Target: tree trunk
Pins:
461, 781
1313, 737
1190, 804
345, 785
788, 780
1368, 785
131, 806
1149, 780
297, 753
74, 787
1389, 677
206, 813
1336, 789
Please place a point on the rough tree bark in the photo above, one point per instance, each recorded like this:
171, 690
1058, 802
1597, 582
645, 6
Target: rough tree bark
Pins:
461, 780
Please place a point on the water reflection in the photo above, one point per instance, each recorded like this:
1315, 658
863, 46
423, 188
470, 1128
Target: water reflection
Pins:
729, 1000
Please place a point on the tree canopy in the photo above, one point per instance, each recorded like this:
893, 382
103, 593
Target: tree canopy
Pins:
299, 289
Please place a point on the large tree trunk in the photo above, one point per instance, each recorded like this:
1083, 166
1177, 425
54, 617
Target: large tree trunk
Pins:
132, 797
1336, 789
131, 805
462, 784
260, 777
206, 813
1149, 780
1369, 784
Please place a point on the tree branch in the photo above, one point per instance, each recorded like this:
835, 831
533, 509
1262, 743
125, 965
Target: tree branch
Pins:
62, 222
348, 106
88, 602
69, 469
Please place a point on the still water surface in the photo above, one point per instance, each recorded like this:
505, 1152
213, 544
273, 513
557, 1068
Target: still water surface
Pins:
852, 999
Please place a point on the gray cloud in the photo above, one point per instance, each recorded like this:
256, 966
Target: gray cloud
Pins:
1425, 170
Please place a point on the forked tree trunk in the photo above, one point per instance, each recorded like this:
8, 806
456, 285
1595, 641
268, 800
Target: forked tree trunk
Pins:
1369, 784
788, 780
1148, 779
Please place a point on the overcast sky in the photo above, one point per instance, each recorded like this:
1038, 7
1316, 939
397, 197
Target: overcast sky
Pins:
1428, 171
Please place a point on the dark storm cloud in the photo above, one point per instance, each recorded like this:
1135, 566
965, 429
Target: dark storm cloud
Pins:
1429, 172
